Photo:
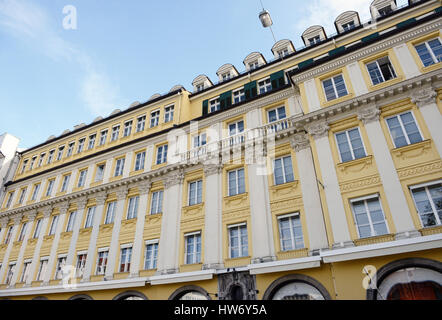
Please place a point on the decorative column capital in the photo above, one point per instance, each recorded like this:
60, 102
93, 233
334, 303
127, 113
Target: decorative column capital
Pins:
174, 178
17, 218
144, 186
212, 168
31, 215
100, 198
368, 113
81, 203
318, 129
3, 222
300, 141
122, 192
63, 207
47, 211
423, 96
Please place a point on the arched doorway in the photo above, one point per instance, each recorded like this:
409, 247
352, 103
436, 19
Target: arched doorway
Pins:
81, 297
296, 287
130, 295
190, 293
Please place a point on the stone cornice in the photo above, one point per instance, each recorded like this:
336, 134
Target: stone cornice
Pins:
423, 96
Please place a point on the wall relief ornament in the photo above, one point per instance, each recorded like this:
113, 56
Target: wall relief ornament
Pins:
423, 96
300, 142
318, 129
368, 113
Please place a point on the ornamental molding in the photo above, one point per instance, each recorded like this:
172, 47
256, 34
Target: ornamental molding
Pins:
368, 51
3, 222
368, 114
318, 129
31, 215
300, 141
81, 203
47, 211
100, 198
63, 207
17, 218
174, 178
428, 168
423, 96
211, 169
286, 205
122, 192
362, 183
144, 187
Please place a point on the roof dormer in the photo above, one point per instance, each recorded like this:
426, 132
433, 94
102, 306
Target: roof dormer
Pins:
176, 88
283, 48
154, 96
347, 21
381, 8
313, 35
254, 60
226, 72
201, 82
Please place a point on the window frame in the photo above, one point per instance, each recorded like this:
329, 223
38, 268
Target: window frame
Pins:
154, 118
110, 219
128, 258
429, 49
132, 209
127, 128
119, 166
195, 254
332, 78
164, 149
430, 199
141, 123
236, 182
140, 163
267, 86
91, 143
89, 221
364, 199
349, 143
198, 198
159, 204
115, 134
71, 221
217, 105
104, 260
169, 114
283, 169
290, 216
150, 262
240, 244
407, 139
394, 73
103, 137
82, 175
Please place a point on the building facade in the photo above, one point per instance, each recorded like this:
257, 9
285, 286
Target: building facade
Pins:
316, 175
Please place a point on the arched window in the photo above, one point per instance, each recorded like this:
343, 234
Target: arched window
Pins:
296, 287
190, 293
130, 295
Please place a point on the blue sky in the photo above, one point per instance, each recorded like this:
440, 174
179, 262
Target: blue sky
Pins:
125, 51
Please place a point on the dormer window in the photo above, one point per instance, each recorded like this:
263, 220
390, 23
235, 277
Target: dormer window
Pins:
348, 26
253, 65
283, 53
382, 8
314, 40
226, 76
200, 83
313, 35
347, 21
200, 87
385, 11
254, 60
283, 48
226, 72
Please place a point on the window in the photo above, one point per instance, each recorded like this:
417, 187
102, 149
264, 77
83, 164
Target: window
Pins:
126, 254
50, 187
430, 52
115, 133
428, 201
10, 273
141, 122
157, 202
168, 113
334, 87
226, 76
199, 87
192, 250
71, 221
60, 153
70, 149
276, 114
110, 212
40, 161
132, 208
103, 137
154, 118
119, 167
264, 86
253, 65
35, 192
236, 182
61, 262
369, 217
350, 145
42, 269
139, 160
25, 272
348, 26
8, 235
290, 232
127, 129
381, 70
50, 156
81, 145
81, 263
102, 261
282, 53
403, 129
100, 172
22, 195
283, 170
23, 231
238, 241
150, 260
195, 192
37, 229
65, 183
236, 128
24, 166
199, 140
53, 225
385, 11
314, 40
31, 166
82, 178
239, 96
89, 217
91, 141
214, 105
162, 154
10, 197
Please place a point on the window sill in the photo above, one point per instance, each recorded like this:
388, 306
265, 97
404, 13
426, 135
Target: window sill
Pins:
106, 227
121, 275
373, 240
96, 183
129, 222
426, 231
65, 235
355, 165
84, 231
412, 150
154, 218
384, 84
48, 237
325, 104
116, 178
134, 173
97, 277
191, 267
291, 254
237, 262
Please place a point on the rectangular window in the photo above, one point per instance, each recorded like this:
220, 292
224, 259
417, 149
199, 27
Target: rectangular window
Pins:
239, 96
236, 128
350, 145
53, 225
348, 26
81, 263
91, 143
40, 161
115, 133
385, 11
199, 87
226, 76
61, 262
253, 65
71, 221
50, 187
102, 261
139, 160
238, 241
290, 232
404, 129
192, 250
334, 87
162, 154
195, 192
82, 178
23, 231
10, 197
282, 53
50, 156
100, 172
428, 201
236, 182
157, 202
199, 140
22, 195
168, 113
42, 269
103, 137
31, 166
264, 86
90, 217
127, 128
283, 170
26, 270
141, 122
110, 212
8, 235
65, 183
11, 270
35, 192
154, 118
126, 254
430, 52
119, 167
381, 70
60, 153
214, 105
24, 166
150, 260
369, 217
37, 229
70, 149
81, 145
132, 208
276, 114
314, 40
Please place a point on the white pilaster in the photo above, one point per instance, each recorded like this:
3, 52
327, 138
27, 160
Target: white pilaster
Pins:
356, 78
312, 95
81, 205
406, 61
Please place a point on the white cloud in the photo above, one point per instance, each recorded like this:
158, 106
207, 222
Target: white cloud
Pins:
31, 24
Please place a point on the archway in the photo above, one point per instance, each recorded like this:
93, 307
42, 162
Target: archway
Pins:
296, 287
190, 293
130, 295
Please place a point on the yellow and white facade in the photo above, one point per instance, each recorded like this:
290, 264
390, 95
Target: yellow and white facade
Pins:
300, 178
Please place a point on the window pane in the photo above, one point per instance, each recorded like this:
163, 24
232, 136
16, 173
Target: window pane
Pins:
375, 73
396, 132
288, 169
241, 181
436, 46
424, 54
272, 115
340, 85
329, 90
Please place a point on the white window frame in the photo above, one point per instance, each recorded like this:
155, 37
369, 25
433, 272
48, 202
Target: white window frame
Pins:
10, 273
364, 198
153, 260
403, 128
429, 49
155, 118
50, 187
40, 161
103, 137
192, 202
100, 177
127, 128
31, 165
426, 185
70, 149
53, 227
292, 235
21, 198
277, 114
91, 143
132, 209
65, 182
22, 234
334, 87
163, 158
380, 70
119, 166
265, 85
141, 123
60, 153
236, 182
139, 163
35, 191
110, 215
194, 255
42, 268
169, 113
81, 264
115, 133
217, 104
158, 204
240, 251
37, 229
26, 269
82, 178
241, 96
8, 235
71, 221
90, 217
283, 169
59, 267
253, 65
80, 146
128, 258
349, 143
50, 156
101, 269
